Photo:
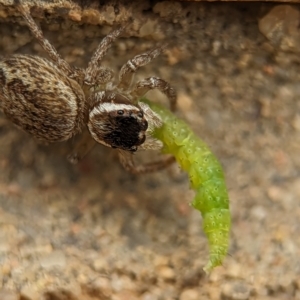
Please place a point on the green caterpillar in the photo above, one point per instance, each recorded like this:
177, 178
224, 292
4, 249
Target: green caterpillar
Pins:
206, 177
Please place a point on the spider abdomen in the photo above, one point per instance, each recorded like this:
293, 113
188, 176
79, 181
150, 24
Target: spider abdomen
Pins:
39, 98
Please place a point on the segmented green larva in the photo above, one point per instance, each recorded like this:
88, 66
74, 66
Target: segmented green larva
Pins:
206, 177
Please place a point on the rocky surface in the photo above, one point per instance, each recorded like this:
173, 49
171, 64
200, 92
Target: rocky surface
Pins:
93, 231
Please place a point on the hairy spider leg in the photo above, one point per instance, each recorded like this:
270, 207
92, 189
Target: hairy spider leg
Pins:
38, 34
92, 71
83, 145
130, 67
151, 83
127, 161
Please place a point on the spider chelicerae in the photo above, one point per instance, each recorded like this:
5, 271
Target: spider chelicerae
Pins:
54, 101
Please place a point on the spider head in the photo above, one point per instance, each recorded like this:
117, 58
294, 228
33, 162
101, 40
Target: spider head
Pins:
115, 122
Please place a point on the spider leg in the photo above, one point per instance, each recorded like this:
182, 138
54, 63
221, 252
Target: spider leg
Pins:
105, 44
151, 83
102, 76
82, 147
130, 67
38, 34
126, 159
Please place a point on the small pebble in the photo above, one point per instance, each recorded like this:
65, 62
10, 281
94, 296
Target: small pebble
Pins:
167, 273
54, 259
190, 294
236, 291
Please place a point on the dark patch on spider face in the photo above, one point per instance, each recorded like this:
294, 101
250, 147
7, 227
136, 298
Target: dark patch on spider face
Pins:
128, 130
121, 128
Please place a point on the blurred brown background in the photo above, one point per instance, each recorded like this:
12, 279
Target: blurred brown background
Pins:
93, 231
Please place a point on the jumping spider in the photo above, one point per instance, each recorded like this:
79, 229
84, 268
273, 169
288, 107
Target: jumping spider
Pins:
54, 101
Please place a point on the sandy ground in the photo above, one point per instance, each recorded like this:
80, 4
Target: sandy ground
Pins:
93, 231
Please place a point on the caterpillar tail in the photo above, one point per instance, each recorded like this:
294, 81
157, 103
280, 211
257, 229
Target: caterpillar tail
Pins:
206, 178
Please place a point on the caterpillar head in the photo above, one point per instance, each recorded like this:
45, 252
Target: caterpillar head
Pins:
115, 122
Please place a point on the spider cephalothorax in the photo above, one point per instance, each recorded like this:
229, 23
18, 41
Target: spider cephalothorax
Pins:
114, 121
54, 101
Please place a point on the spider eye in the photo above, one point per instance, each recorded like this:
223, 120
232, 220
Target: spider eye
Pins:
120, 112
140, 114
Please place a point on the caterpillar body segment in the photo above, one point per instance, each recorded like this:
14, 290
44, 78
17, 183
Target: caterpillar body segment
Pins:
206, 178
